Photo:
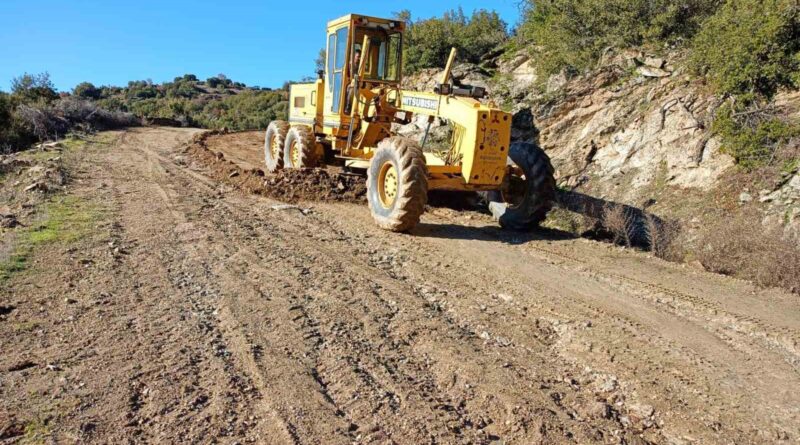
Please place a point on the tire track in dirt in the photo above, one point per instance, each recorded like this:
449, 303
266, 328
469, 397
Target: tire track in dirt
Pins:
636, 329
367, 376
683, 346
789, 338
195, 196
230, 321
460, 327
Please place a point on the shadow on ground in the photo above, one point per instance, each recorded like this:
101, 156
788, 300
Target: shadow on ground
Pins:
489, 233
638, 221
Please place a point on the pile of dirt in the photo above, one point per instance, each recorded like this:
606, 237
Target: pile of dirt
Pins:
316, 185
286, 185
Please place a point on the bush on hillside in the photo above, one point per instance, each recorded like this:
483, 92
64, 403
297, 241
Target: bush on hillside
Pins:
748, 51
213, 82
12, 132
86, 90
220, 81
752, 134
247, 110
69, 114
141, 89
751, 48
572, 34
180, 88
428, 42
30, 88
742, 247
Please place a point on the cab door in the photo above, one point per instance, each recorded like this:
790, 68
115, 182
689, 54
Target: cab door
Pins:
336, 76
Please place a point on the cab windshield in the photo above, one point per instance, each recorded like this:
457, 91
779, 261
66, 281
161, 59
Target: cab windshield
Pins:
383, 60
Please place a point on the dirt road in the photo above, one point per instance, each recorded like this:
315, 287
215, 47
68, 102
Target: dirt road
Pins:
196, 313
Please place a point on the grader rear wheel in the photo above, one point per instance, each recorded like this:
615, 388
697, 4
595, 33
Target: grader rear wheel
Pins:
300, 148
273, 145
523, 201
397, 184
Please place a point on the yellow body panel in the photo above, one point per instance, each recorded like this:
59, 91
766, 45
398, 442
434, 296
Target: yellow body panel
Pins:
305, 104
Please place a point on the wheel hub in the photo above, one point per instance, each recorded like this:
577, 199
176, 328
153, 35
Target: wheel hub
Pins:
294, 152
275, 148
388, 183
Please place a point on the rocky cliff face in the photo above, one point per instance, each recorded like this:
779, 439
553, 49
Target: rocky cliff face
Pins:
624, 127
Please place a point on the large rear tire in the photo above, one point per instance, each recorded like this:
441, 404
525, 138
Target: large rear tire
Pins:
397, 184
300, 149
274, 143
524, 201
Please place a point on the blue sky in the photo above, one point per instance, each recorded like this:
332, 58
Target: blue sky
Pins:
110, 42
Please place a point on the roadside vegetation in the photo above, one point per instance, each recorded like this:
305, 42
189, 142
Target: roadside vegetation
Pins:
65, 219
35, 111
428, 41
217, 102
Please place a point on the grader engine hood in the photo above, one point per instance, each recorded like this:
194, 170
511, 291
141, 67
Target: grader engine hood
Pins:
481, 135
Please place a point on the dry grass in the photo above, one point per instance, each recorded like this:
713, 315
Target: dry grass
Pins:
664, 238
70, 114
620, 223
741, 246
737, 245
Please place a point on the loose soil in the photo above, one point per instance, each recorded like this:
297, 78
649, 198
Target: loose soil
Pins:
238, 159
197, 311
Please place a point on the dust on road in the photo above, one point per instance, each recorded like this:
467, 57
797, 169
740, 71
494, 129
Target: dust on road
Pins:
198, 313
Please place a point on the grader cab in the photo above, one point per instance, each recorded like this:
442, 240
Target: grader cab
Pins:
349, 115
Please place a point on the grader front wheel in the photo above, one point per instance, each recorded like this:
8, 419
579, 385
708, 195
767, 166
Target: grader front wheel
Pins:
273, 145
397, 184
300, 150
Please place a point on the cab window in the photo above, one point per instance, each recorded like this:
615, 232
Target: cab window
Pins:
383, 60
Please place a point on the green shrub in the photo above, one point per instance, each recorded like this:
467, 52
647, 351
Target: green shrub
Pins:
13, 133
141, 89
572, 34
33, 88
5, 110
213, 82
86, 90
428, 42
247, 110
750, 135
751, 48
179, 88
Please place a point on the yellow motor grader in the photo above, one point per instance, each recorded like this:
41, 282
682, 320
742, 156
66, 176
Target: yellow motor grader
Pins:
347, 117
